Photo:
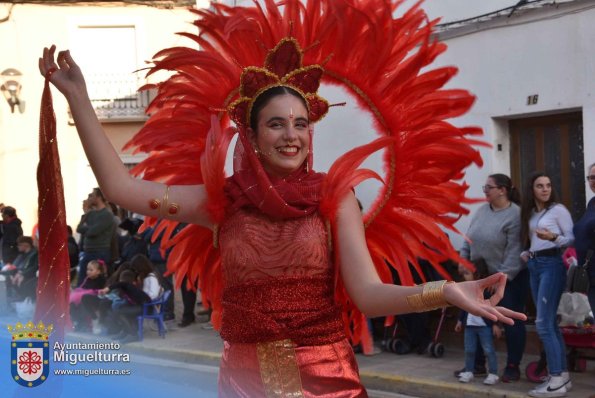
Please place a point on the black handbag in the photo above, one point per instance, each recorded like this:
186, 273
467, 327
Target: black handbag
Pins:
578, 276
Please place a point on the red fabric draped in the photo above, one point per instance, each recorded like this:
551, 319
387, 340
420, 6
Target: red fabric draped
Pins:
53, 287
294, 196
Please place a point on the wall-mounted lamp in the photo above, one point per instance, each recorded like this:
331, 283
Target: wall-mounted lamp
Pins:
11, 88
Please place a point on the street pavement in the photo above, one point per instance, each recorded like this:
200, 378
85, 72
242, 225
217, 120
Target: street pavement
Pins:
411, 374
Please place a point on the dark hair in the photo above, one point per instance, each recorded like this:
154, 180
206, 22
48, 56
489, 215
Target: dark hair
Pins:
98, 192
115, 277
25, 239
266, 96
127, 275
528, 205
142, 265
504, 181
9, 211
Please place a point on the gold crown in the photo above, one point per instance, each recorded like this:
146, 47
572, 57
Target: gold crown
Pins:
282, 67
30, 331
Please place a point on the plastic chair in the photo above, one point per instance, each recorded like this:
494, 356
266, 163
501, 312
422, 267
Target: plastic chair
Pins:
154, 310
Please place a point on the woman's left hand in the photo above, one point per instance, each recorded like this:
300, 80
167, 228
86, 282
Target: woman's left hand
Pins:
469, 296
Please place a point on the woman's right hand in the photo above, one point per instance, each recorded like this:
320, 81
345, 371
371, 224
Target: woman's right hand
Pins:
65, 74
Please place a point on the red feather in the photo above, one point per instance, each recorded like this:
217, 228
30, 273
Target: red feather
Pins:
384, 63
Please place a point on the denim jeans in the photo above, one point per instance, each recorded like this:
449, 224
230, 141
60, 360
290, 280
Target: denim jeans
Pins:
484, 335
548, 279
515, 297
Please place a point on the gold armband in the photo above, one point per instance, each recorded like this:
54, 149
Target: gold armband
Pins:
431, 297
163, 205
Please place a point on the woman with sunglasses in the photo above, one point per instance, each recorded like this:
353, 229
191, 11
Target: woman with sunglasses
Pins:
584, 232
546, 228
494, 235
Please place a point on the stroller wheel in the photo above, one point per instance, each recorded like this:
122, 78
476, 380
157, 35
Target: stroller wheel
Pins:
535, 372
437, 350
400, 347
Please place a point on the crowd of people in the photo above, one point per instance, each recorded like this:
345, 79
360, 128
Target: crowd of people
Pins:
114, 269
525, 238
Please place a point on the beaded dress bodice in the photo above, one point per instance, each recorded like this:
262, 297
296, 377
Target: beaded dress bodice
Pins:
278, 281
255, 247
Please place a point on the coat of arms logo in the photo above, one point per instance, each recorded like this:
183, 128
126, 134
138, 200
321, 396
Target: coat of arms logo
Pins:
30, 353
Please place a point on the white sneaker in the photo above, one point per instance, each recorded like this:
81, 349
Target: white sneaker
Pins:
95, 326
491, 379
566, 377
466, 377
554, 387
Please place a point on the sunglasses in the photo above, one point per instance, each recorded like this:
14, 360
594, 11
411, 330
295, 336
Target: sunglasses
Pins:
591, 178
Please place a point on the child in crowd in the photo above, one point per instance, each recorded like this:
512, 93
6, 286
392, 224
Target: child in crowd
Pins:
478, 328
95, 280
125, 315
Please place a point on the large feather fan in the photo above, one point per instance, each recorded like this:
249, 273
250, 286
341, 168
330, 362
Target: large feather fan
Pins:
382, 62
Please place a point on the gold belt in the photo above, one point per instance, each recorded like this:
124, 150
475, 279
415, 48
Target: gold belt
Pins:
279, 369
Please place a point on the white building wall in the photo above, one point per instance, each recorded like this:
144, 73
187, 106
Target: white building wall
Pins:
22, 38
548, 52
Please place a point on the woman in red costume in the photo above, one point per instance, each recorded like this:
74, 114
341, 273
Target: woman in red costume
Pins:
281, 250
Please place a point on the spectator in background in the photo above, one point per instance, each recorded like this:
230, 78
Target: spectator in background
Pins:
73, 252
94, 281
23, 282
128, 287
478, 330
546, 228
494, 234
11, 230
98, 228
159, 261
584, 233
134, 243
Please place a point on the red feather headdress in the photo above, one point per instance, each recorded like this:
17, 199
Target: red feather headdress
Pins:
382, 62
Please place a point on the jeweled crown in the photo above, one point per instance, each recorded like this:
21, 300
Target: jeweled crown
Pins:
282, 67
30, 331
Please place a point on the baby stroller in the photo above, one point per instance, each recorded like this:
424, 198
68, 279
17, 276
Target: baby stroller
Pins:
418, 339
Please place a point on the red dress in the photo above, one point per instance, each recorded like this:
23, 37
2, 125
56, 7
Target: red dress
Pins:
283, 332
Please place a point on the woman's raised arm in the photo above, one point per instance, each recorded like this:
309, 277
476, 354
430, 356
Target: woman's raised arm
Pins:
140, 196
375, 298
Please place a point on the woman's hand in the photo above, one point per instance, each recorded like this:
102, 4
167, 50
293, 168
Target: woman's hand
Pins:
469, 297
64, 73
525, 256
545, 234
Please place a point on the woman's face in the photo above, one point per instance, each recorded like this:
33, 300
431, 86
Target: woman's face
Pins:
282, 138
592, 178
492, 191
542, 189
